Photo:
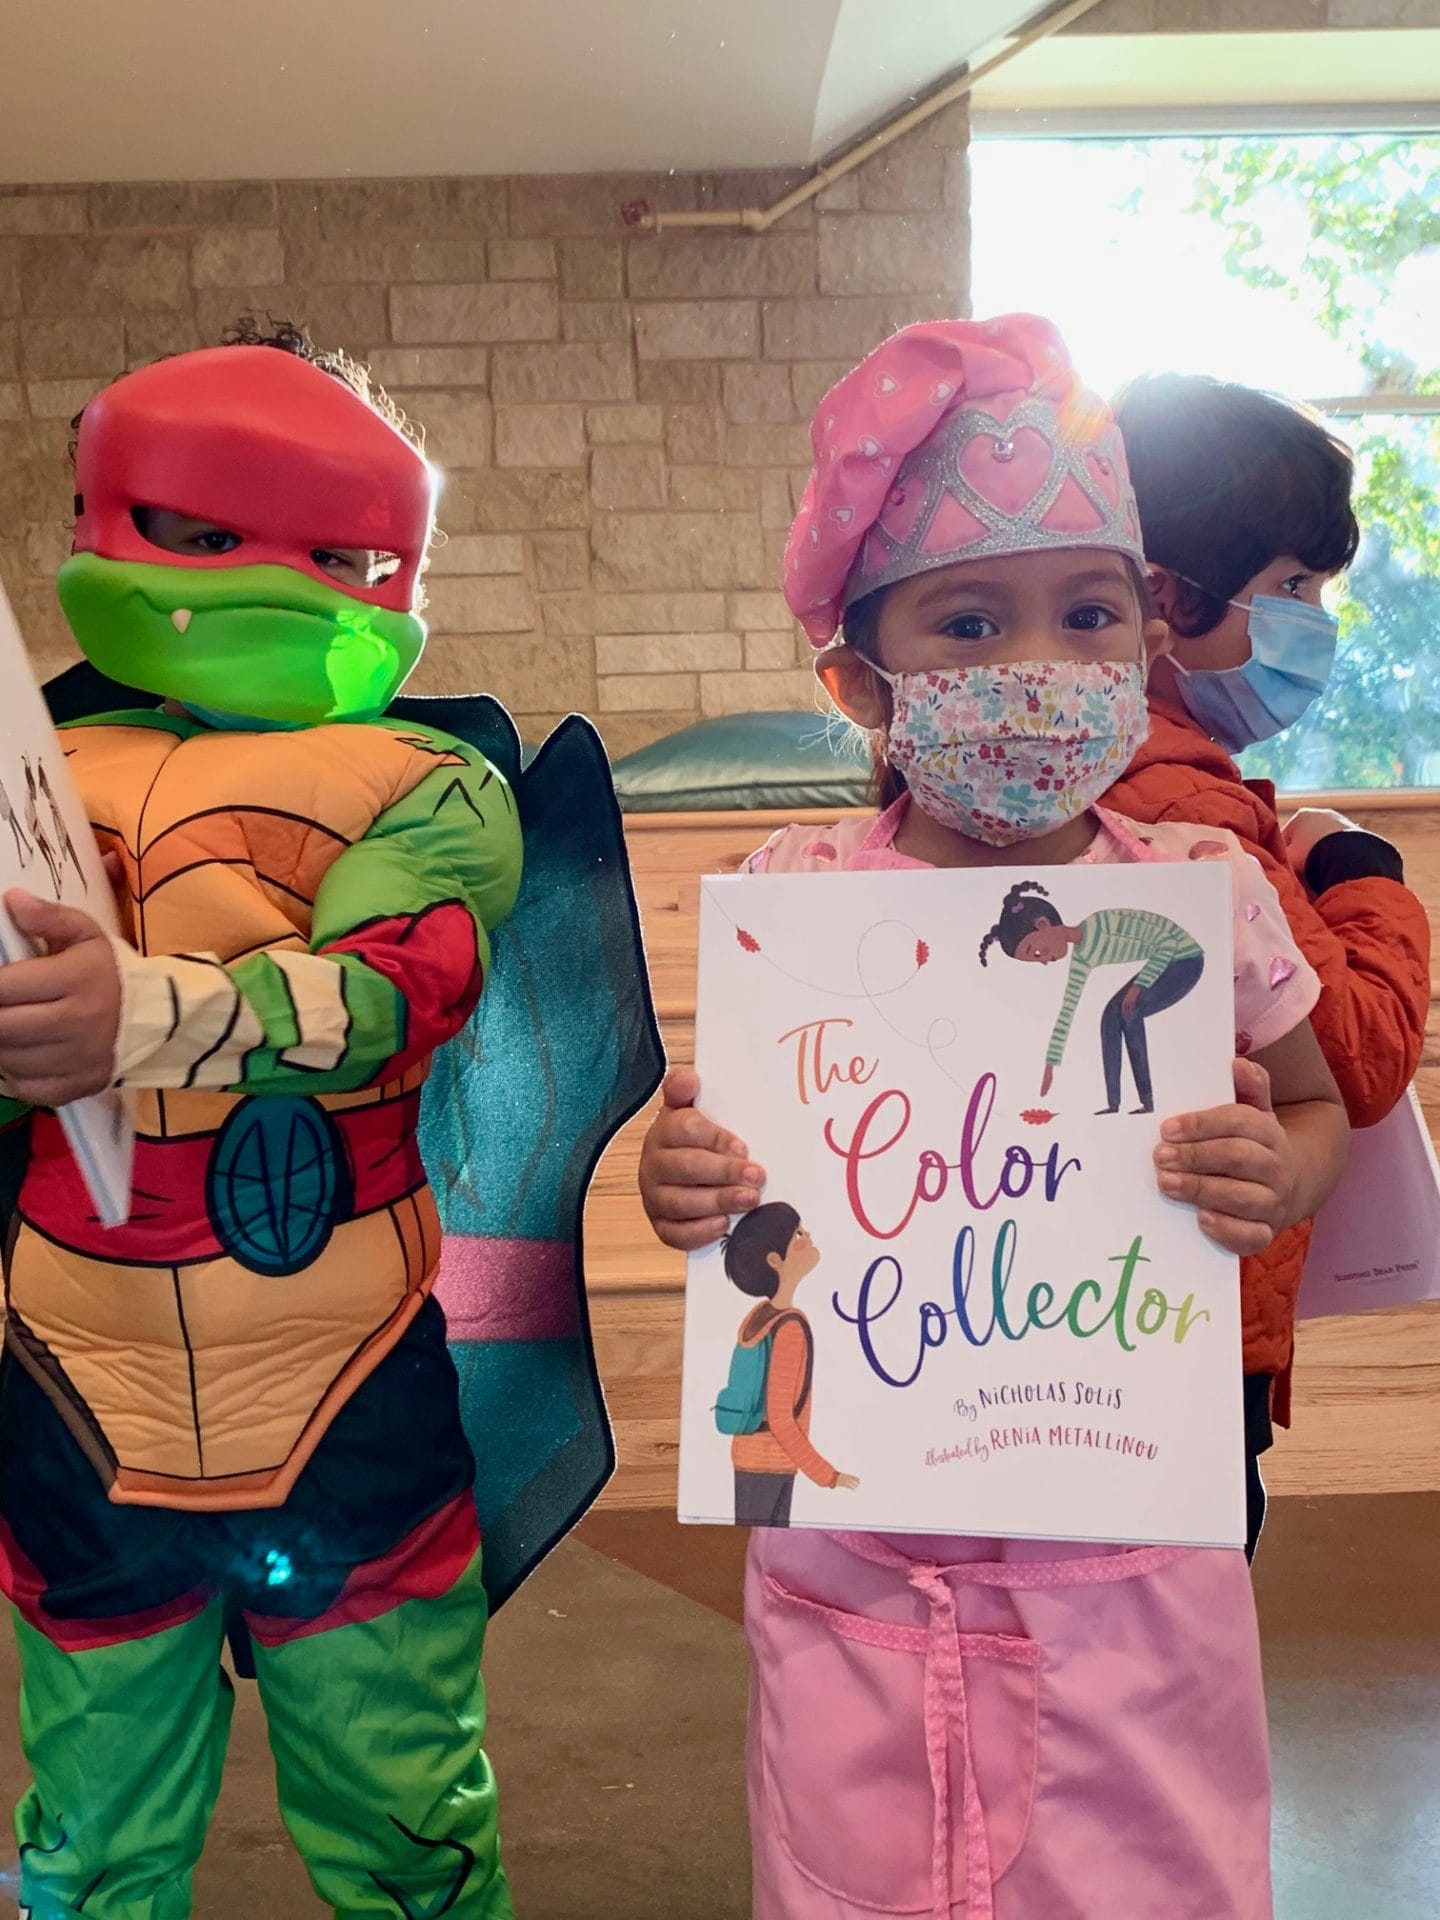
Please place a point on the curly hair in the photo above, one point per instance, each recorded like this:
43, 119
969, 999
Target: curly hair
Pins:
1021, 913
286, 337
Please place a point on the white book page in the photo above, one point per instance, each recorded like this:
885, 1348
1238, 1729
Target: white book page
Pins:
47, 848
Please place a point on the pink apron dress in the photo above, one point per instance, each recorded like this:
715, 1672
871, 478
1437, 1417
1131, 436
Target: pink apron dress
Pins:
1004, 1731
1015, 1730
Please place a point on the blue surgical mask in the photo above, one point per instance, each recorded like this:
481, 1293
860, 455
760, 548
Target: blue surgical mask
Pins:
240, 722
1292, 649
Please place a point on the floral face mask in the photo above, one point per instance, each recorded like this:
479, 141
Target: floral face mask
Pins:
1010, 752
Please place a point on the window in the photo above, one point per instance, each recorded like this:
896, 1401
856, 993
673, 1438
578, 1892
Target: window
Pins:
1308, 263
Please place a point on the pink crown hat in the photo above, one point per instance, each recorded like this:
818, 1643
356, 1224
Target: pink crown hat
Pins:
953, 440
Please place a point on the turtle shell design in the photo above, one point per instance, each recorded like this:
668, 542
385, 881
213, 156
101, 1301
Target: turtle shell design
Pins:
278, 1182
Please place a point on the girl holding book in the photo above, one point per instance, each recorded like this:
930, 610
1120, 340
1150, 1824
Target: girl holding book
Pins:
953, 1726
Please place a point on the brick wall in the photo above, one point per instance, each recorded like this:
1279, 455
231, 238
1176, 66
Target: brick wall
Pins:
620, 416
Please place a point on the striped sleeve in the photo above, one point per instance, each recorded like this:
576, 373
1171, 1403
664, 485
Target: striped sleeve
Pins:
1081, 961
1122, 935
1167, 943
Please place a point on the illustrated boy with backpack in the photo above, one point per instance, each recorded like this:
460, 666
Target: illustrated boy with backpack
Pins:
766, 1403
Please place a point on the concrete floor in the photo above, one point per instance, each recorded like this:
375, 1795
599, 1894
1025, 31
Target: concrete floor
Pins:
617, 1695
1350, 1612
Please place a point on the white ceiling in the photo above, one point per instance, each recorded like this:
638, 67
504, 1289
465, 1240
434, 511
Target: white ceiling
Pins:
243, 89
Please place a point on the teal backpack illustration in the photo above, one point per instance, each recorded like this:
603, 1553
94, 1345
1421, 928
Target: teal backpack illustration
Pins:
741, 1405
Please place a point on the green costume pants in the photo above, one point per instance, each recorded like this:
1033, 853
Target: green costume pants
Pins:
375, 1728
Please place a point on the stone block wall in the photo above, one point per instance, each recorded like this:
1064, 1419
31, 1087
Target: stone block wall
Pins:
621, 417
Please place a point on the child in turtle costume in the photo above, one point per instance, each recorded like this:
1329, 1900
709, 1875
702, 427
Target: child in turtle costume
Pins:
242, 1413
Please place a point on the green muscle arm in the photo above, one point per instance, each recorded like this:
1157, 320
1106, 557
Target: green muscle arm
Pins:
398, 947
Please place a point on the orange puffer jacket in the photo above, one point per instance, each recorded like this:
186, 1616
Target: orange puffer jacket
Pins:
1369, 941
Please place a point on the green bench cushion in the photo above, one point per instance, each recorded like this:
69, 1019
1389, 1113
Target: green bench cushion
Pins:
748, 761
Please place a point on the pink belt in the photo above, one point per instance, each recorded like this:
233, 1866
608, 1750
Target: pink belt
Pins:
945, 1649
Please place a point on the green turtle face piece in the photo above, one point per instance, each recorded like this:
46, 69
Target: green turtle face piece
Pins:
261, 640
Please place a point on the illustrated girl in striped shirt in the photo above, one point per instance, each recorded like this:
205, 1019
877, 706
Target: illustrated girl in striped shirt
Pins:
1170, 964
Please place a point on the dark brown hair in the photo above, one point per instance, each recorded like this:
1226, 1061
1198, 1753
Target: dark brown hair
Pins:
1228, 479
1021, 914
285, 337
750, 1242
861, 632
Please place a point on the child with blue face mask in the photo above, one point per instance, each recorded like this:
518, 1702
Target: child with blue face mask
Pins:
1245, 508
1245, 512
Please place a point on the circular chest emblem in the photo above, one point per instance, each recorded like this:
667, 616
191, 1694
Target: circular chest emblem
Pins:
278, 1183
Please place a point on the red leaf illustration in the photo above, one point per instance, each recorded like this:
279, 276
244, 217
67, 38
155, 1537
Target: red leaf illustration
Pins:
747, 940
922, 953
1037, 1116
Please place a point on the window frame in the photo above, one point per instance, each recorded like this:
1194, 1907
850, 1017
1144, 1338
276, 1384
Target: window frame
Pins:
1250, 122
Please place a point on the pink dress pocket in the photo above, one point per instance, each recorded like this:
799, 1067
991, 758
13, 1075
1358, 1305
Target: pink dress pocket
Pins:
896, 1759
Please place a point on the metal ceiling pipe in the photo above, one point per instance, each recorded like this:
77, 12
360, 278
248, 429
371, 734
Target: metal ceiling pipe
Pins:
640, 214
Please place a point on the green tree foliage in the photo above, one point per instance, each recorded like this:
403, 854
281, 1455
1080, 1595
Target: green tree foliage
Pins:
1337, 226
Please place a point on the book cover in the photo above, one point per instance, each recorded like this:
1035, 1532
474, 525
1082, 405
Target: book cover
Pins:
1377, 1238
963, 1305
